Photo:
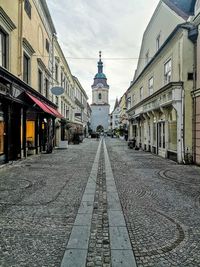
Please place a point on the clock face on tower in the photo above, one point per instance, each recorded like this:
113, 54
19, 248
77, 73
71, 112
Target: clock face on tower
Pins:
99, 85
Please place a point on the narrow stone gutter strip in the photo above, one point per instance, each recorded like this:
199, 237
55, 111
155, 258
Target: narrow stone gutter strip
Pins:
121, 249
77, 247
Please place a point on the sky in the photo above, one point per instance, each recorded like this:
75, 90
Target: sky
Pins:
115, 27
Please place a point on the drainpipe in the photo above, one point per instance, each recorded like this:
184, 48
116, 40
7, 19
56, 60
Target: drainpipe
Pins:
183, 125
194, 103
20, 36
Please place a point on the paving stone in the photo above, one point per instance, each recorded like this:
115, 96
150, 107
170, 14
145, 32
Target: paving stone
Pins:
160, 201
39, 208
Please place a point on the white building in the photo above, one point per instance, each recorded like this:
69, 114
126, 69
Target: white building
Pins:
100, 105
115, 116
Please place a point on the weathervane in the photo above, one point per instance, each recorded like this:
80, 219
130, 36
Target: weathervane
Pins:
99, 55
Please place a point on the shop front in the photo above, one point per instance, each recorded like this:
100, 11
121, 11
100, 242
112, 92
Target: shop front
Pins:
26, 120
157, 125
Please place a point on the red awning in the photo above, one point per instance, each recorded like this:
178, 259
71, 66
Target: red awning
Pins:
45, 107
55, 112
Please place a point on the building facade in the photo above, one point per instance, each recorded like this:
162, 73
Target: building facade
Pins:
27, 112
81, 116
100, 101
159, 99
32, 119
115, 116
196, 92
123, 113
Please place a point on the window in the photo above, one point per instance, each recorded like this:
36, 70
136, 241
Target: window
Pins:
57, 100
99, 96
67, 113
133, 99
47, 45
40, 81
147, 57
150, 86
46, 88
141, 93
30, 133
158, 42
61, 107
190, 76
61, 79
27, 7
2, 131
26, 69
56, 72
128, 103
3, 49
167, 71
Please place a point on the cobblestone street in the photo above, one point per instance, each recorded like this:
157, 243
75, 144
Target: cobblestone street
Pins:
39, 200
160, 201
63, 209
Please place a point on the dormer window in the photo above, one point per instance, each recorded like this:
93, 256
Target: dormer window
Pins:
158, 43
147, 57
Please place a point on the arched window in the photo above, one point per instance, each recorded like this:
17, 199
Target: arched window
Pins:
99, 96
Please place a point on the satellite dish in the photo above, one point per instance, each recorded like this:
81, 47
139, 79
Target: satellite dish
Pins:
57, 90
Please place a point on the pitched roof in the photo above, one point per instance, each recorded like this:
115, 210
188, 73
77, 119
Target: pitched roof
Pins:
183, 8
116, 104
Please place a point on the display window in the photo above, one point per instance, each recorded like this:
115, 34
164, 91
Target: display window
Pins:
30, 133
2, 131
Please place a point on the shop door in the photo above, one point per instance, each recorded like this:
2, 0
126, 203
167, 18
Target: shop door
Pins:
14, 133
161, 139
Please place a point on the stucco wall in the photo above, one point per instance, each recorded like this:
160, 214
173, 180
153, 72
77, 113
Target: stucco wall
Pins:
197, 130
100, 116
180, 49
159, 25
10, 7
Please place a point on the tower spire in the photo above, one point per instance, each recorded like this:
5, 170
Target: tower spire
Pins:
100, 64
99, 55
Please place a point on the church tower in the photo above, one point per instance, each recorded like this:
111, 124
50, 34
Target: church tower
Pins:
100, 104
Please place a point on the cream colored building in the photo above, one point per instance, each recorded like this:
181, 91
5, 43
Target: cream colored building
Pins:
62, 77
196, 92
81, 116
31, 62
123, 112
115, 116
159, 99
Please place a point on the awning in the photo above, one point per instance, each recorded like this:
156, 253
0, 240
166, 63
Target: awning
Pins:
54, 111
45, 107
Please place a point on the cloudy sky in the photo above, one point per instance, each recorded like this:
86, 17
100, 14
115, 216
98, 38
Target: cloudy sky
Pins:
113, 26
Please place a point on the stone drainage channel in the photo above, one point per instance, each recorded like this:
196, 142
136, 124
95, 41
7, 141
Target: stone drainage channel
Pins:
99, 236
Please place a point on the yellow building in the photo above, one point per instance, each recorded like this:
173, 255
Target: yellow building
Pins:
196, 92
27, 108
123, 112
159, 98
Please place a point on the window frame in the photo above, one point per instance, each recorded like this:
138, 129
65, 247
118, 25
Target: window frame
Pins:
158, 42
167, 77
150, 86
46, 87
40, 81
56, 71
5, 48
141, 94
28, 8
47, 45
28, 69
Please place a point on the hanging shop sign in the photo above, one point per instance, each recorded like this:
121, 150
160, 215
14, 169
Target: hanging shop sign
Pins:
57, 90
